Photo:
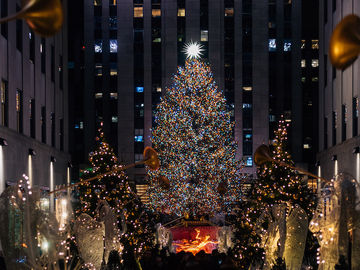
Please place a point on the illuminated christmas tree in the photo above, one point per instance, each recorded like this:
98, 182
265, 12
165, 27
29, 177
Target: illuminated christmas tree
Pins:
132, 216
193, 135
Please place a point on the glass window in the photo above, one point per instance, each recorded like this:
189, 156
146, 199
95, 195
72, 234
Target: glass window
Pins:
303, 43
156, 12
113, 95
303, 79
114, 119
229, 12
98, 95
113, 23
139, 131
272, 45
98, 69
112, 2
97, 2
19, 110
315, 79
204, 34
4, 103
98, 46
138, 12
247, 88
139, 138
181, 12
158, 89
303, 63
113, 46
287, 45
315, 44
314, 62
113, 69
249, 162
139, 89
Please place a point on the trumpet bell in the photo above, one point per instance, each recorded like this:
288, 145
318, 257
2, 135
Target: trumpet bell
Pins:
151, 158
345, 42
262, 155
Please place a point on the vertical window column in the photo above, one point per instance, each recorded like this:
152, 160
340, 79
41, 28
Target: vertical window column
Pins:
355, 113
4, 103
32, 118
181, 33
19, 111
43, 124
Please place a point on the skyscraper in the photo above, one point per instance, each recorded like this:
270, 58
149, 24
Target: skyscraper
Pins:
34, 111
339, 139
131, 48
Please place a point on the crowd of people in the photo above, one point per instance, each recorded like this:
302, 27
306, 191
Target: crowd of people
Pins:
164, 260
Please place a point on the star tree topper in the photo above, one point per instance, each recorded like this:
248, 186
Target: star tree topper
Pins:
193, 50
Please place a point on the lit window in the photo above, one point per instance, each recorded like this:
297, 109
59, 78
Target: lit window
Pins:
315, 44
113, 23
271, 25
303, 63
229, 12
249, 162
112, 2
81, 125
98, 69
113, 95
303, 43
272, 118
139, 138
138, 12
158, 39
303, 79
204, 34
314, 79
114, 119
247, 88
272, 45
306, 146
314, 62
156, 12
287, 45
113, 46
113, 69
158, 89
98, 46
97, 2
181, 12
98, 95
247, 106
138, 157
139, 89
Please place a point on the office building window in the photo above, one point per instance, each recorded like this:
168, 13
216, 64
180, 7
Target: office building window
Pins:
113, 45
156, 12
315, 44
43, 124
113, 96
334, 121
355, 113
112, 2
4, 103
32, 118
43, 54
229, 12
60, 68
61, 134
303, 63
19, 110
204, 35
98, 46
97, 2
19, 32
343, 122
4, 13
314, 62
52, 72
113, 69
325, 133
32, 46
333, 5
272, 45
138, 12
303, 44
181, 12
287, 45
52, 119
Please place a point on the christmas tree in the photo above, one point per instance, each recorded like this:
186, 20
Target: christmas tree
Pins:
277, 184
193, 135
114, 188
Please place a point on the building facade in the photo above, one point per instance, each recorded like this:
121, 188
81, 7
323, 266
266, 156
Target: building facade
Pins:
34, 111
131, 48
339, 92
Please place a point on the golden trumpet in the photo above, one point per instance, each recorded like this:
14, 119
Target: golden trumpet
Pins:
150, 159
345, 42
45, 17
263, 155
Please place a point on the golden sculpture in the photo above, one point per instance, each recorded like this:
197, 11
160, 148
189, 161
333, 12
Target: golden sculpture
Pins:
345, 42
45, 17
